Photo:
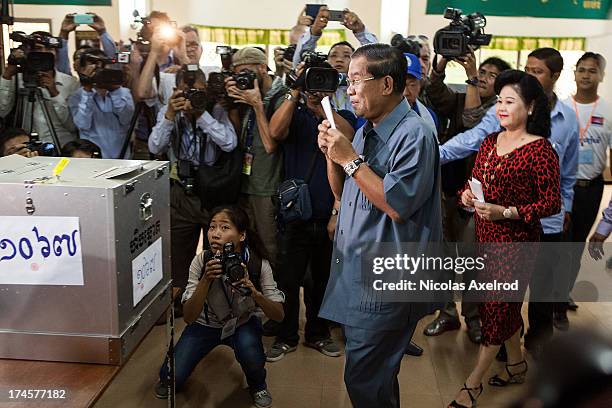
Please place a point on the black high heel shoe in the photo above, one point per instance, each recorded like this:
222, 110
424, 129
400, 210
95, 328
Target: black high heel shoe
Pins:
517, 378
455, 404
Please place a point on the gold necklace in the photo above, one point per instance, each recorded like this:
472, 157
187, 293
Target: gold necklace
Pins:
487, 178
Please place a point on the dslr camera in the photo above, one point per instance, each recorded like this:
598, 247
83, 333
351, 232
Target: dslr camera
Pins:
197, 97
405, 45
43, 149
318, 75
454, 40
231, 264
245, 79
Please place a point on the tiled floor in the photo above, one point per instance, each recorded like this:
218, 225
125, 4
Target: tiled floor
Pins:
307, 379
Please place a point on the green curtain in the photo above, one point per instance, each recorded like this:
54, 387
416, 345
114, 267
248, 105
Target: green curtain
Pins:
243, 36
531, 43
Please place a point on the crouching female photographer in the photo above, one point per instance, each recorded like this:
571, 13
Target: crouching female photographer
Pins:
218, 311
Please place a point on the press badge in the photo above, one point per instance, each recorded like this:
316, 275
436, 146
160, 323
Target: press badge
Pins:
229, 328
585, 156
247, 163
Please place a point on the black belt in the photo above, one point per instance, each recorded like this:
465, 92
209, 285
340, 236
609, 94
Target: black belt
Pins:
587, 183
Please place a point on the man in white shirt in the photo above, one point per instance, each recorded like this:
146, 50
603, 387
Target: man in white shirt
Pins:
55, 87
595, 121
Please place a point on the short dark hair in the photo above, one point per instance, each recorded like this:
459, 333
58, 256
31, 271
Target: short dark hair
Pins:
498, 63
199, 76
551, 57
531, 92
384, 60
82, 145
346, 43
161, 15
190, 29
8, 134
601, 61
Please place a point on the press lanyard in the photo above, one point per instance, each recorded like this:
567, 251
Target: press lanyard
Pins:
583, 130
249, 130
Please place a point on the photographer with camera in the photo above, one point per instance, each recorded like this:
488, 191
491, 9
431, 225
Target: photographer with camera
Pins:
101, 108
231, 285
16, 141
30, 70
108, 44
339, 55
262, 94
194, 135
305, 242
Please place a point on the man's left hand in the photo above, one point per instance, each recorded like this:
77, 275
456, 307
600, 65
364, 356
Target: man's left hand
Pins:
47, 80
337, 147
353, 22
98, 24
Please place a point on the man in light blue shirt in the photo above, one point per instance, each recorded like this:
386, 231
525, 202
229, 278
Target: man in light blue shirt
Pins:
389, 194
546, 65
101, 112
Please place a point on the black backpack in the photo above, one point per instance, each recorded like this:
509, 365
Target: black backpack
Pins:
219, 184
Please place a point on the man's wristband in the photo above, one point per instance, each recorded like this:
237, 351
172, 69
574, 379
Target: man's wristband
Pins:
472, 81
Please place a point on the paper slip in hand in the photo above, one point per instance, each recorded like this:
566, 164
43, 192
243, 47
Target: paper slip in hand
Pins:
476, 187
328, 111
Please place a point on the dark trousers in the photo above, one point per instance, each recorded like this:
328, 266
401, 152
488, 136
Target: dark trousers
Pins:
303, 245
372, 363
186, 223
198, 340
541, 288
584, 212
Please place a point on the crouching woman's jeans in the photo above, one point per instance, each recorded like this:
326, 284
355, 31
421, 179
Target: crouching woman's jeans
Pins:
198, 340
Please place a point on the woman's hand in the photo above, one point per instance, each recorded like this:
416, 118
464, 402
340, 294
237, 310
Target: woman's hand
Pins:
246, 283
213, 270
467, 198
489, 212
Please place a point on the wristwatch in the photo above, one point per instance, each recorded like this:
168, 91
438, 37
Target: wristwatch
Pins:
335, 211
291, 98
472, 81
351, 167
507, 213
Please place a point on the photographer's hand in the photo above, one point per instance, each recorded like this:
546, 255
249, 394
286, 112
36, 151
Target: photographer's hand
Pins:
468, 62
320, 22
47, 80
98, 24
304, 19
68, 25
177, 103
250, 97
11, 70
212, 270
353, 22
20, 149
440, 67
273, 310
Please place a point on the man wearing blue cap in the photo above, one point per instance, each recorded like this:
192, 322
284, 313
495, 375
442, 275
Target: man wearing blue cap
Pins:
413, 89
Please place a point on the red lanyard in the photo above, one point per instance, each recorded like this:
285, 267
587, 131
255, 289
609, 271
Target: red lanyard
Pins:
583, 130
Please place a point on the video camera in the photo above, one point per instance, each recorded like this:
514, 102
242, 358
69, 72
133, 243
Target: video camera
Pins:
231, 264
405, 45
318, 75
34, 61
103, 78
31, 40
197, 97
454, 40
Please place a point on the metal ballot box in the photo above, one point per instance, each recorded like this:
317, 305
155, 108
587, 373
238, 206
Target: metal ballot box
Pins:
84, 257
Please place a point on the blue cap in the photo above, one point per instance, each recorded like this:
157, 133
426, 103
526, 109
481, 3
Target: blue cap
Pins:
414, 65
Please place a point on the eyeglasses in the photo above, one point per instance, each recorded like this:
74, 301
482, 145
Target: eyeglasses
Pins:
355, 82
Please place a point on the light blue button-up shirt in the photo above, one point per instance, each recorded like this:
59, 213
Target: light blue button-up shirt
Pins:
103, 120
564, 138
405, 155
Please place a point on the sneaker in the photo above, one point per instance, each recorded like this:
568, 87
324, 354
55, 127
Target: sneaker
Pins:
161, 390
560, 321
278, 351
262, 399
325, 346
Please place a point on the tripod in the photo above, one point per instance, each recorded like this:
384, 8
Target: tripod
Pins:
32, 95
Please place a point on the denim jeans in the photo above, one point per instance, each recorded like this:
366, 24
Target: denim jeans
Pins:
198, 340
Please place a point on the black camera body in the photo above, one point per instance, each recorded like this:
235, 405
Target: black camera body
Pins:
231, 264
43, 149
30, 65
103, 78
197, 97
454, 40
33, 39
289, 52
245, 79
187, 173
405, 45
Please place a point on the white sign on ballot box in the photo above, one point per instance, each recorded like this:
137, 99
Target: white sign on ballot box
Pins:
147, 270
40, 251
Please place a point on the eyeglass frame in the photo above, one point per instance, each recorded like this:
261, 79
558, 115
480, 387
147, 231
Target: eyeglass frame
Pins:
356, 82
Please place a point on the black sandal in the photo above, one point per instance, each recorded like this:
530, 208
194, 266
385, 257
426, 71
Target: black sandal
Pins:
517, 378
455, 404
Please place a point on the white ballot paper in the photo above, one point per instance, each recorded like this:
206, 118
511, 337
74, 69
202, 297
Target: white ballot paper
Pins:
328, 111
476, 187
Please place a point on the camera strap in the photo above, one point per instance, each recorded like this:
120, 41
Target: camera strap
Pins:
250, 127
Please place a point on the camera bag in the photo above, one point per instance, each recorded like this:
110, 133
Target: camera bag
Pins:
294, 197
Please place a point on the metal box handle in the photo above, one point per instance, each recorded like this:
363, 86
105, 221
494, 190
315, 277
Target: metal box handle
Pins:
146, 206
